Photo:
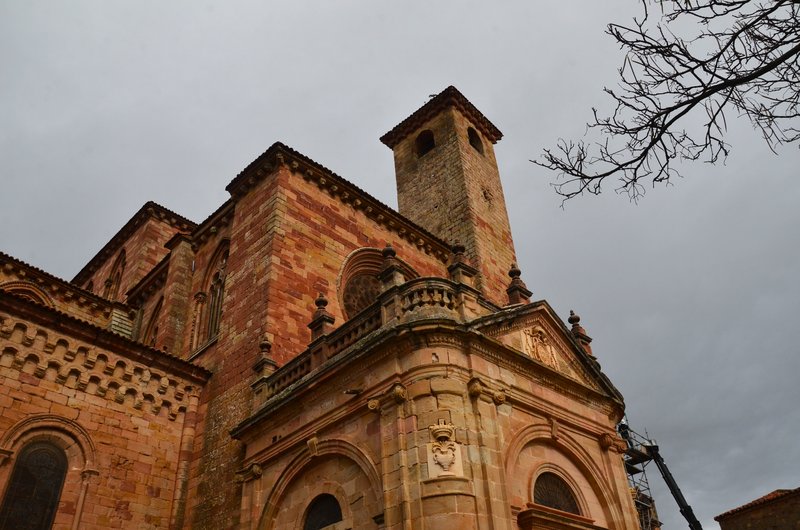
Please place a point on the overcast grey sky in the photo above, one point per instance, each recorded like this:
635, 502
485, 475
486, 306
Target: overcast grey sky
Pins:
691, 296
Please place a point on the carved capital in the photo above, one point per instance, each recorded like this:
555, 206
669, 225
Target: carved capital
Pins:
374, 405
612, 443
88, 475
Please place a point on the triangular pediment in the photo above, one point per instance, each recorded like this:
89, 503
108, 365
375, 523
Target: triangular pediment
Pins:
535, 332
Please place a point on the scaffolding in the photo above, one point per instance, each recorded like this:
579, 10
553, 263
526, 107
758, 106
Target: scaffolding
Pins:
636, 459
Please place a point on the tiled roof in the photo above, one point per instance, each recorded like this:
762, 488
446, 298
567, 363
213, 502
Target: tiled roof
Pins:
449, 97
769, 497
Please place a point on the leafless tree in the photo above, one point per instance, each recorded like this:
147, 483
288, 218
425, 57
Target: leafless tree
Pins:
688, 63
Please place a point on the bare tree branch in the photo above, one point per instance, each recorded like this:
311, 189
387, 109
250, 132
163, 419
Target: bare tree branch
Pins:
743, 56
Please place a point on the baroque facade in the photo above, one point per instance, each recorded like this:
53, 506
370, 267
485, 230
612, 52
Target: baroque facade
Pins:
307, 358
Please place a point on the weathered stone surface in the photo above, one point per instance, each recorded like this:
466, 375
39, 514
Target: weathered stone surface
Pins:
181, 378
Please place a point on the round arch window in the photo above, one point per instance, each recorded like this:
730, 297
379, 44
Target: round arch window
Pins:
550, 490
32, 495
323, 511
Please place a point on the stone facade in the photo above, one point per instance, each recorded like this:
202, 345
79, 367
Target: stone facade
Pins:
307, 357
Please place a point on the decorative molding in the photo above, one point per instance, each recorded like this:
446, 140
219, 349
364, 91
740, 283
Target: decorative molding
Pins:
98, 373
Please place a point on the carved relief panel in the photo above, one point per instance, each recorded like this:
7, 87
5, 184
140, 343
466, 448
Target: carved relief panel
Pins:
444, 453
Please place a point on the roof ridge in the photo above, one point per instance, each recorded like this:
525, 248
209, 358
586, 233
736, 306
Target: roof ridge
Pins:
149, 208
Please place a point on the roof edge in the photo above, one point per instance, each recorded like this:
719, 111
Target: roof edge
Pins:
771, 497
150, 209
279, 154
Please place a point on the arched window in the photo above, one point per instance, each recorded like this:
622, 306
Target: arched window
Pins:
475, 140
32, 495
215, 287
550, 490
358, 282
424, 142
115, 278
323, 511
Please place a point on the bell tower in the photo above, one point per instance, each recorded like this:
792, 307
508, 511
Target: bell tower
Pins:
448, 183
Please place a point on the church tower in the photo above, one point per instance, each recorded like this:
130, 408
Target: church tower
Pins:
448, 183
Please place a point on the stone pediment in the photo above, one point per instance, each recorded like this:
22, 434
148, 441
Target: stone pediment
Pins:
538, 336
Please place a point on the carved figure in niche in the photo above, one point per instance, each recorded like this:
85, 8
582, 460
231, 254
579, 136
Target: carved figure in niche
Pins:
538, 346
443, 448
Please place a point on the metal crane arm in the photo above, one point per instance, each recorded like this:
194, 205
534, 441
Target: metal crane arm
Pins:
685, 509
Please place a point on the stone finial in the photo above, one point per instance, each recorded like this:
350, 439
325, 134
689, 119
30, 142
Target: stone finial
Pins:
460, 270
518, 292
579, 333
265, 364
321, 323
388, 252
391, 273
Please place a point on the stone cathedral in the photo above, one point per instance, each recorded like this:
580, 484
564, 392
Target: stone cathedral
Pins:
307, 357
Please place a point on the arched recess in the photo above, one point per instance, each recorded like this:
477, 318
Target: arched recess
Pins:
150, 334
29, 291
114, 280
573, 463
358, 285
306, 460
210, 299
61, 433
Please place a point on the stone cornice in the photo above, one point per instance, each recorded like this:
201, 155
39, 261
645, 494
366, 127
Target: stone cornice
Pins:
102, 338
150, 210
221, 217
389, 340
449, 97
348, 193
508, 315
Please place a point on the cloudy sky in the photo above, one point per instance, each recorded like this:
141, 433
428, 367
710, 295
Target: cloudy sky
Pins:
692, 295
